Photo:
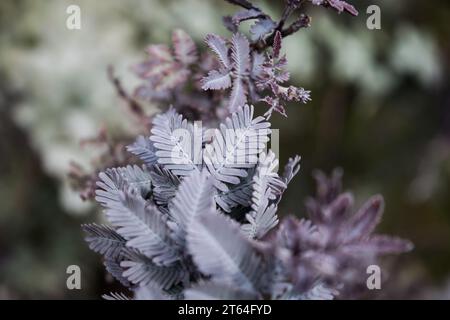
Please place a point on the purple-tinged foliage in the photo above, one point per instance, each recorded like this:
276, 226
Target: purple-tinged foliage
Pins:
334, 243
199, 219
209, 229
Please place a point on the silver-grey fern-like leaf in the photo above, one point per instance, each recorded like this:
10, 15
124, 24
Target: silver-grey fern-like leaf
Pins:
143, 271
291, 169
137, 178
266, 186
260, 222
112, 181
218, 45
318, 292
116, 296
192, 198
165, 184
219, 250
178, 143
235, 147
240, 54
238, 95
144, 227
216, 80
266, 182
104, 240
261, 28
213, 290
240, 194
258, 60
114, 269
144, 149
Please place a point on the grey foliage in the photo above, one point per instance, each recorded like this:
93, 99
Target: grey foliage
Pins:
115, 296
235, 147
104, 240
234, 260
319, 292
237, 195
165, 184
114, 269
261, 28
144, 227
112, 181
192, 199
142, 271
178, 143
199, 220
234, 69
210, 230
144, 149
266, 186
291, 169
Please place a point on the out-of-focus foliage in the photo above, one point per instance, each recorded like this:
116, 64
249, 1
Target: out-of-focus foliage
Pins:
380, 110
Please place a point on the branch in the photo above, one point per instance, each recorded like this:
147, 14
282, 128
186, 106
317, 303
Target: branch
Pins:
303, 21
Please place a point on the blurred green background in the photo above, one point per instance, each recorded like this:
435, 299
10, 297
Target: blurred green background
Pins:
380, 110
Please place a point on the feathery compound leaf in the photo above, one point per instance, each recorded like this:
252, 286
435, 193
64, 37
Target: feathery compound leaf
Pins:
138, 179
104, 240
240, 194
218, 45
266, 186
318, 292
213, 290
261, 28
165, 184
219, 250
144, 149
238, 95
116, 296
114, 269
144, 227
142, 271
266, 181
235, 147
258, 60
291, 169
364, 222
184, 47
216, 80
112, 181
193, 198
240, 54
261, 221
178, 142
